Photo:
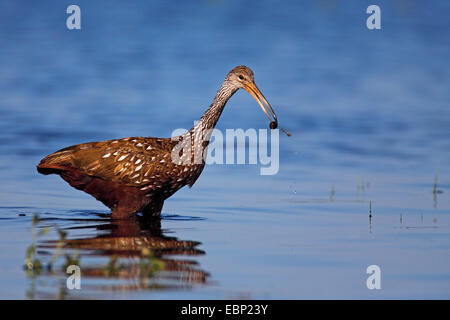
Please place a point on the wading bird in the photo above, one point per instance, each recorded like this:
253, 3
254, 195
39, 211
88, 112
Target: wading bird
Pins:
137, 174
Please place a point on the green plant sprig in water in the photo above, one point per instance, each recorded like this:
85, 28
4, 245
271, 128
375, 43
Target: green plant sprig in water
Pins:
148, 265
113, 267
436, 191
32, 264
62, 238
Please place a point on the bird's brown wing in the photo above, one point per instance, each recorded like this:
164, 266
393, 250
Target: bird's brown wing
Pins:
139, 162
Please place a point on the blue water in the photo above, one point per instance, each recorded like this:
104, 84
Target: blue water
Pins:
368, 112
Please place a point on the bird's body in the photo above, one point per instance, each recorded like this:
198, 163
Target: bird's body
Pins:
137, 174
127, 175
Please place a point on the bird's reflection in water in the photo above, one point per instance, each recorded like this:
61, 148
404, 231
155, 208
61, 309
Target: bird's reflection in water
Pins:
123, 255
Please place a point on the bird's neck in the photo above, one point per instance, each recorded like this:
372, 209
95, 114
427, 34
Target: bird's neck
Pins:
195, 142
209, 119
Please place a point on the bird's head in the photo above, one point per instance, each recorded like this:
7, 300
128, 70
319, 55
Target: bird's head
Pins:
241, 77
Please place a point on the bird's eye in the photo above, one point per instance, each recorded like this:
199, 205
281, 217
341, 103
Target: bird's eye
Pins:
241, 77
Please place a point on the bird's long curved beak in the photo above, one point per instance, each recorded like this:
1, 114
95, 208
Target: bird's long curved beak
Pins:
263, 103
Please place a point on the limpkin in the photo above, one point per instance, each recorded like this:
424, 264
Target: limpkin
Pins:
137, 174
